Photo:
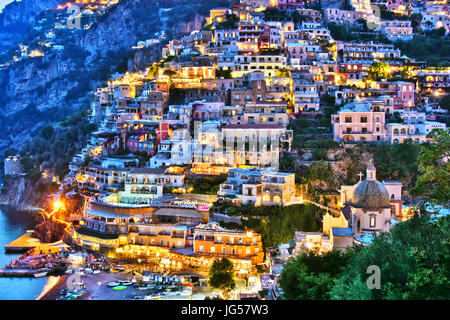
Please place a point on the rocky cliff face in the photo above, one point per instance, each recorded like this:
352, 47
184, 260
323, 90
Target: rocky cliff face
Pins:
21, 194
17, 17
44, 89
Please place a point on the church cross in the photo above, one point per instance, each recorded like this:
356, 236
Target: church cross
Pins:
360, 176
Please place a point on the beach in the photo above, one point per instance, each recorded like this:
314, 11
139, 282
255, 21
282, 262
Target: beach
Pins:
14, 224
97, 289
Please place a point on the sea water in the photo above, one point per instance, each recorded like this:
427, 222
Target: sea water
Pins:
14, 224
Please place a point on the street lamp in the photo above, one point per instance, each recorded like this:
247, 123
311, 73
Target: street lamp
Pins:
58, 205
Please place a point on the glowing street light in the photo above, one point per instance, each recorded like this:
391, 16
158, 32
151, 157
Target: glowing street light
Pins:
58, 205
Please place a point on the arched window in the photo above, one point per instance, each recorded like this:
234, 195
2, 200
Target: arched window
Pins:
373, 221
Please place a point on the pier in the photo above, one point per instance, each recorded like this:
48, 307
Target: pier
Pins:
25, 243
21, 272
39, 258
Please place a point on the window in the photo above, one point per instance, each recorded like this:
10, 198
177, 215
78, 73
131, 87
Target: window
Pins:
348, 119
372, 221
364, 119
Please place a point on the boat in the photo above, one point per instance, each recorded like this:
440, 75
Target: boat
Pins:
172, 293
77, 293
119, 287
113, 284
153, 297
40, 274
143, 288
126, 283
96, 271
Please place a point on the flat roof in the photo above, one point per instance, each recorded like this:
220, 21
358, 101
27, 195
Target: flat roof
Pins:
148, 171
254, 126
178, 212
342, 232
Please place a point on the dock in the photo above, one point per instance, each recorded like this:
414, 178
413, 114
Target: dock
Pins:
20, 272
25, 243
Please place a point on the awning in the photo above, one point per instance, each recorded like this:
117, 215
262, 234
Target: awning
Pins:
105, 214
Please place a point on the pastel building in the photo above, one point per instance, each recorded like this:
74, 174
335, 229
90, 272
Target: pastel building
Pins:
212, 240
342, 16
401, 91
269, 64
397, 29
358, 122
256, 144
258, 187
414, 131
311, 241
368, 209
270, 112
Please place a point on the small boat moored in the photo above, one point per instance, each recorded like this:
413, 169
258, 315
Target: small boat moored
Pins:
40, 274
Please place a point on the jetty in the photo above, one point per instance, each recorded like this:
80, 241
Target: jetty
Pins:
22, 272
25, 243
38, 263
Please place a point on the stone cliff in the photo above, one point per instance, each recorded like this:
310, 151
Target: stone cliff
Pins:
45, 89
18, 17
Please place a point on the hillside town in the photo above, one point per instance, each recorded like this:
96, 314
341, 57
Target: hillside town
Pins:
207, 131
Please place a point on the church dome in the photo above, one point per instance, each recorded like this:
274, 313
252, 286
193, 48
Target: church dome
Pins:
370, 193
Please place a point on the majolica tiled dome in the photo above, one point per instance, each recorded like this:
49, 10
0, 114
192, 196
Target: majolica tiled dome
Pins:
370, 193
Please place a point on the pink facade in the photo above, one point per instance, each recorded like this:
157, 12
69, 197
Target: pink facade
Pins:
402, 92
357, 123
290, 4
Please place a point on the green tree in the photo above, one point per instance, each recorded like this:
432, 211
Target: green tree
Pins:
47, 132
311, 276
445, 102
397, 162
287, 162
434, 169
378, 71
413, 260
221, 275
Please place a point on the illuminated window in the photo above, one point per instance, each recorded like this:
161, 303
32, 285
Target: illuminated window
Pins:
372, 222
